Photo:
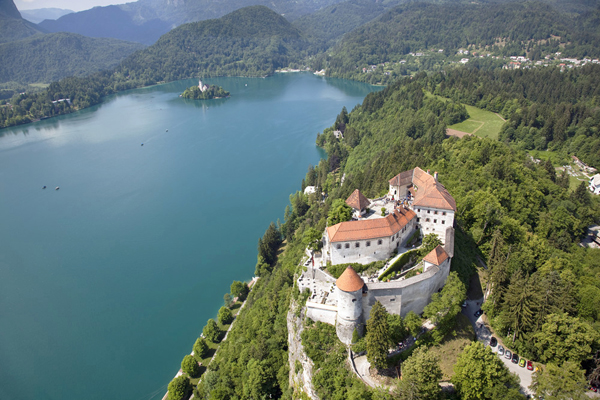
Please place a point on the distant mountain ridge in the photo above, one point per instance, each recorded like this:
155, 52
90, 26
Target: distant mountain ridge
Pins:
145, 20
12, 26
38, 15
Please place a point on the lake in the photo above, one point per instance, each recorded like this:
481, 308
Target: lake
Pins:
106, 283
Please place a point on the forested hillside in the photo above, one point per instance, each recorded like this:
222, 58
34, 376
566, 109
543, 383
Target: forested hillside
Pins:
253, 41
51, 57
12, 26
518, 217
531, 29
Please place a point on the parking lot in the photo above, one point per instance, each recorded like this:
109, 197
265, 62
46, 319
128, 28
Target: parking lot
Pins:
484, 335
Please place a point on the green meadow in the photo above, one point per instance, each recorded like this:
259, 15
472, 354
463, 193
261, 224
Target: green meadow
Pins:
481, 123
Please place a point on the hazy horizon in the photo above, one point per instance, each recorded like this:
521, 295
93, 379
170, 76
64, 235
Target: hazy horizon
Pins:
75, 5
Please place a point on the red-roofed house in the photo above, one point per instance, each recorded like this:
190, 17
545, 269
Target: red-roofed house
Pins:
432, 203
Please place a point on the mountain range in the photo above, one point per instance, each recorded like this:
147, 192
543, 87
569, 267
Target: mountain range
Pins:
40, 14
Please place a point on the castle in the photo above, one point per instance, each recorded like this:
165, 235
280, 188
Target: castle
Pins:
415, 200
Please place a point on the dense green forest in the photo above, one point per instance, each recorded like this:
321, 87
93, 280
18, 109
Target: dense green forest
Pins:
49, 58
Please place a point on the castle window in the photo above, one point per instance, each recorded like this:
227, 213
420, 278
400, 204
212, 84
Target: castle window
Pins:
357, 244
339, 246
368, 244
347, 245
418, 219
428, 211
443, 222
443, 212
435, 212
435, 221
418, 210
353, 300
393, 299
379, 241
427, 220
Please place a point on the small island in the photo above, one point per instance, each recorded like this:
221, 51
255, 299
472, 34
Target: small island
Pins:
205, 92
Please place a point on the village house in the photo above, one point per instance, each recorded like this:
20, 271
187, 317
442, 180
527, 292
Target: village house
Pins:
594, 185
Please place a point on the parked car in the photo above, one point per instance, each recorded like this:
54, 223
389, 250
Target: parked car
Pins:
500, 350
530, 365
464, 304
493, 342
594, 388
508, 354
522, 363
515, 358
478, 313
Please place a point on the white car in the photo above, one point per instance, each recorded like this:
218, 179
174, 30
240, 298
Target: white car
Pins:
500, 350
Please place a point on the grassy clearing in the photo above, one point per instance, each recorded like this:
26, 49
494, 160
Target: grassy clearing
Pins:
449, 350
481, 123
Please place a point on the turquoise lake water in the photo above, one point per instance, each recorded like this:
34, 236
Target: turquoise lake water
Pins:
106, 283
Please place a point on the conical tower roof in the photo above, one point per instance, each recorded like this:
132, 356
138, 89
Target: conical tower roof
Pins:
349, 281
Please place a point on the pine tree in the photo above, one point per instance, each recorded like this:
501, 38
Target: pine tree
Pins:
520, 304
378, 339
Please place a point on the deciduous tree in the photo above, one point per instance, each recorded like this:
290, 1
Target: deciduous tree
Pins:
420, 376
338, 212
200, 348
190, 366
225, 316
211, 331
565, 338
566, 382
479, 374
179, 388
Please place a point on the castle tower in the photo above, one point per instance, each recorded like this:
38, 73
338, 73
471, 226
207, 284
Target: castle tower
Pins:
349, 300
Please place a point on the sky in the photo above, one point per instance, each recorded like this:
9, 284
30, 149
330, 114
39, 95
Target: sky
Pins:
75, 5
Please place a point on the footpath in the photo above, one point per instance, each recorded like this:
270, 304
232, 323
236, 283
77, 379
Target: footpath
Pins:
180, 372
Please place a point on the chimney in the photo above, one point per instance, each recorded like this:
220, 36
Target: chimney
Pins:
435, 176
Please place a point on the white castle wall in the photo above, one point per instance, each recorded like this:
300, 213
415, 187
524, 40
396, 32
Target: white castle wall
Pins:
433, 220
368, 251
412, 294
321, 312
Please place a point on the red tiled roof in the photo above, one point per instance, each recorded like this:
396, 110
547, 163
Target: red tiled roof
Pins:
437, 256
403, 178
370, 228
427, 192
435, 196
349, 281
357, 200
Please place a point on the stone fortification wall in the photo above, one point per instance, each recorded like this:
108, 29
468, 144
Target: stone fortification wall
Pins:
321, 312
412, 294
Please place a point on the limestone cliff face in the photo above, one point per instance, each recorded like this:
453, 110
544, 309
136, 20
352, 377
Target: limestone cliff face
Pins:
301, 367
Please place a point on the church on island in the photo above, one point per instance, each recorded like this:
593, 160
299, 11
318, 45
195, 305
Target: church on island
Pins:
416, 203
